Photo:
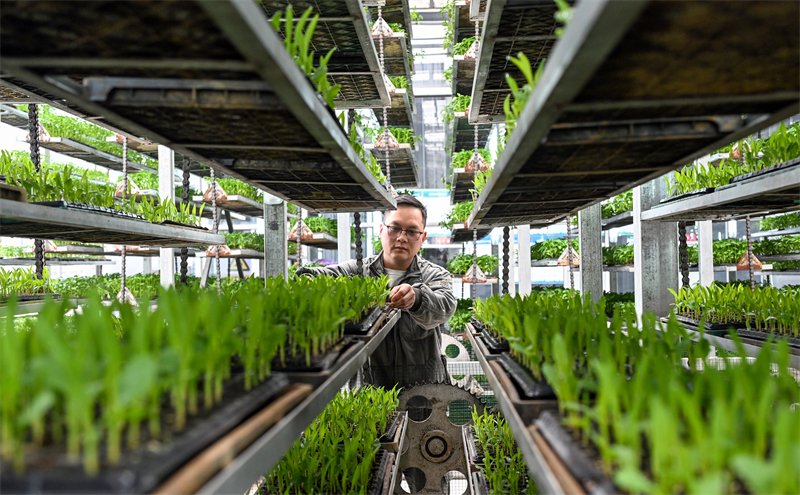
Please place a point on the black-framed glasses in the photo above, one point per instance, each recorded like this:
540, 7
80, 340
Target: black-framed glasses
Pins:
394, 232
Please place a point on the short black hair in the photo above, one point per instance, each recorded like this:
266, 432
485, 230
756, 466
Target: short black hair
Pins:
407, 200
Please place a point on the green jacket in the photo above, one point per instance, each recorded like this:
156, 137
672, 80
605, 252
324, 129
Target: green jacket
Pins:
411, 352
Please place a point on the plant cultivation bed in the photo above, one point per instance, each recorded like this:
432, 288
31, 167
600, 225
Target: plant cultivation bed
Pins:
399, 115
82, 151
460, 186
478, 344
237, 253
321, 240
238, 204
460, 234
48, 469
619, 220
403, 164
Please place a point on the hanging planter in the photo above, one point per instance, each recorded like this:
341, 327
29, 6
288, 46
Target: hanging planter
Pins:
386, 141
743, 265
482, 164
474, 276
381, 29
133, 190
563, 260
472, 53
223, 251
221, 194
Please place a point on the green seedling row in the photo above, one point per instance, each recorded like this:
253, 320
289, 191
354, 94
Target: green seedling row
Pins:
462, 47
98, 376
618, 204
765, 308
656, 426
461, 158
23, 282
319, 224
462, 263
552, 248
404, 135
245, 240
780, 222
235, 187
399, 82
337, 452
504, 466
457, 215
459, 103
618, 255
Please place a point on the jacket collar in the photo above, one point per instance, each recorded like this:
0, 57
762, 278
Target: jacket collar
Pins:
377, 267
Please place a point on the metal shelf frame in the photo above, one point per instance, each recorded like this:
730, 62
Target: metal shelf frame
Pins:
402, 162
463, 75
462, 134
605, 116
237, 89
55, 262
775, 192
236, 203
460, 186
777, 233
42, 222
461, 234
250, 254
321, 240
396, 56
619, 220
240, 474
82, 151
400, 113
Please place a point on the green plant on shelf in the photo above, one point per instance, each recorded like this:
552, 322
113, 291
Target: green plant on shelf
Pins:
447, 75
463, 262
159, 211
95, 175
244, 240
368, 158
404, 135
337, 452
449, 14
235, 187
621, 302
780, 222
399, 82
297, 41
416, 17
85, 132
516, 101
457, 215
552, 248
458, 104
377, 246
291, 208
461, 158
563, 16
481, 177
503, 466
618, 255
459, 320
618, 204
463, 46
319, 224
23, 282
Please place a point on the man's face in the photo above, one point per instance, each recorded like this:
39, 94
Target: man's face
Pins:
401, 249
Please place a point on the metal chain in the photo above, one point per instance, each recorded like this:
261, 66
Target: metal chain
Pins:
683, 253
359, 248
123, 284
185, 200
33, 130
299, 237
750, 253
475, 231
569, 253
506, 235
215, 214
385, 116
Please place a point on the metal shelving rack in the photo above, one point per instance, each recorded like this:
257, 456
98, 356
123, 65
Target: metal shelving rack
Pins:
460, 186
237, 88
460, 234
402, 162
42, 222
83, 151
463, 75
399, 114
236, 203
619, 220
462, 134
607, 114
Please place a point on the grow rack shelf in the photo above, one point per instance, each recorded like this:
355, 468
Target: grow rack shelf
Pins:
399, 115
463, 75
539, 469
55, 262
151, 149
82, 151
394, 12
607, 114
13, 117
239, 475
321, 240
402, 162
456, 278
777, 233
773, 192
463, 26
461, 234
147, 252
619, 220
250, 254
72, 249
780, 257
236, 203
526, 26
43, 222
395, 56
463, 133
236, 90
460, 186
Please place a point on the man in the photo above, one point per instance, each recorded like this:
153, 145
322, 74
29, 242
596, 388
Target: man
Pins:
422, 290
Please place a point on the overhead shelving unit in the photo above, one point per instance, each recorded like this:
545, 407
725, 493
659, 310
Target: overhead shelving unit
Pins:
460, 186
526, 26
461, 234
42, 222
608, 113
402, 163
236, 203
83, 151
55, 262
399, 114
227, 95
321, 240
463, 134
463, 75
770, 192
619, 220
396, 54
777, 233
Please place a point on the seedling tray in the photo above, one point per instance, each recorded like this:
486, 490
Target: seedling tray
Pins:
494, 346
689, 194
477, 343
390, 441
90, 208
477, 325
764, 171
574, 458
142, 471
763, 336
716, 328
318, 363
527, 409
479, 484
31, 297
527, 386
337, 358
365, 325
474, 458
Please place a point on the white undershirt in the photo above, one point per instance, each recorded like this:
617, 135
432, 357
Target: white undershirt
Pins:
394, 276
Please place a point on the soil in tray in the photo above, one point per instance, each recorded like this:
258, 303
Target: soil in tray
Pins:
319, 363
583, 465
718, 328
494, 345
761, 335
527, 386
49, 471
363, 327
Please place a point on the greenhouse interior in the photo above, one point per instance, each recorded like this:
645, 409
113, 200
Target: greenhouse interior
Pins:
259, 247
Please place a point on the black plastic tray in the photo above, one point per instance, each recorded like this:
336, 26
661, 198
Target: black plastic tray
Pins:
475, 457
495, 346
527, 386
717, 328
365, 325
31, 297
759, 335
388, 437
574, 458
689, 194
764, 171
319, 363
90, 208
144, 470
477, 325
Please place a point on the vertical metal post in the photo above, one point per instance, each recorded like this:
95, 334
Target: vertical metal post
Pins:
591, 251
683, 252
33, 132
238, 262
705, 252
655, 252
524, 258
276, 237
185, 200
475, 267
506, 247
215, 212
343, 238
359, 247
166, 193
123, 281
569, 253
749, 249
385, 114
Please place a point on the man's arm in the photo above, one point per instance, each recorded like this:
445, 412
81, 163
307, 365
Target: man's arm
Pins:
434, 303
346, 269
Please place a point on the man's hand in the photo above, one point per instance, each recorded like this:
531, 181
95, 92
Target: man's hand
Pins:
402, 297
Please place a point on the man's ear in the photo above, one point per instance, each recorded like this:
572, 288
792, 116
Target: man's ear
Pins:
423, 236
